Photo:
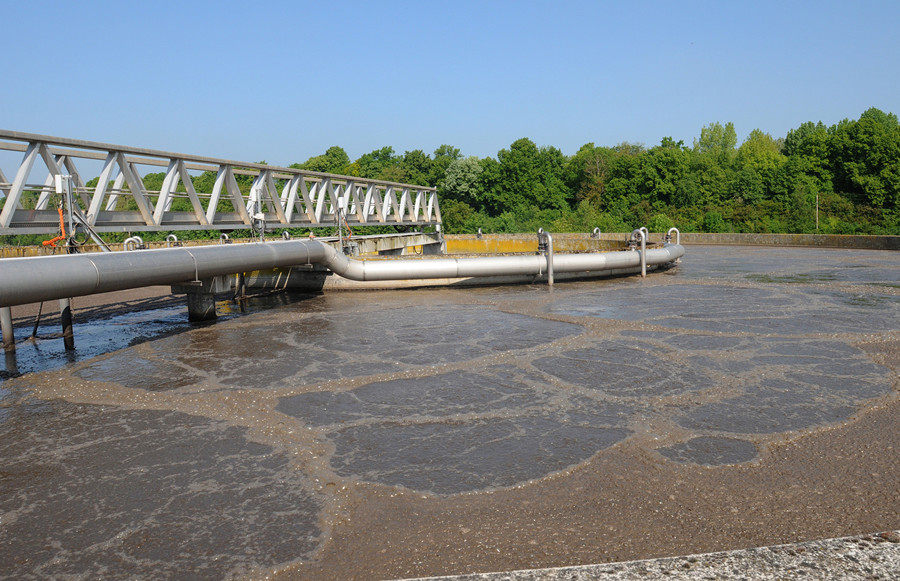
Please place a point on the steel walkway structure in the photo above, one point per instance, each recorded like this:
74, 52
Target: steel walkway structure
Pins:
277, 197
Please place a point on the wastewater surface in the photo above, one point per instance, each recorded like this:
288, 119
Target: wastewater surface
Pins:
242, 448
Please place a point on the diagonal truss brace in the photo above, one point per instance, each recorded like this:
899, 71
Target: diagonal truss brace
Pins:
120, 201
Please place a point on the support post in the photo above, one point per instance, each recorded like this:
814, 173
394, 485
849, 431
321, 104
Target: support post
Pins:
240, 290
65, 316
201, 296
201, 306
9, 338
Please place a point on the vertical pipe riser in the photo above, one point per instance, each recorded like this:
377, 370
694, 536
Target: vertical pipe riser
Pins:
65, 316
549, 259
545, 247
9, 338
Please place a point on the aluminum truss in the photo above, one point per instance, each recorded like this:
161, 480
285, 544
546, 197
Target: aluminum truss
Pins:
119, 202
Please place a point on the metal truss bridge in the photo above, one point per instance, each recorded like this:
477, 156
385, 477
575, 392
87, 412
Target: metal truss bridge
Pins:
271, 197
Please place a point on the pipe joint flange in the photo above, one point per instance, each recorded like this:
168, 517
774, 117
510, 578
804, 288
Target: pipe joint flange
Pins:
542, 241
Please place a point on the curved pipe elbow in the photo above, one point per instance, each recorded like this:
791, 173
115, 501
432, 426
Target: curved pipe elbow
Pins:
342, 265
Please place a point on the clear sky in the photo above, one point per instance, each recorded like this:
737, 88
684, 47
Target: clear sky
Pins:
284, 81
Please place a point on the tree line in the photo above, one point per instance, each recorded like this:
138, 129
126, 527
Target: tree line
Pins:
842, 179
839, 179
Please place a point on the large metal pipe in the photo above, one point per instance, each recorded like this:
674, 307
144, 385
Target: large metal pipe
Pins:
382, 270
35, 279
43, 278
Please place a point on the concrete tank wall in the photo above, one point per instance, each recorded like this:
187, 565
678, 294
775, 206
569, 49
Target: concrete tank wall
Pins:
502, 243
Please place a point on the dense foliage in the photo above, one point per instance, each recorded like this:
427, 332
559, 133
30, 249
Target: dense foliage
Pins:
843, 179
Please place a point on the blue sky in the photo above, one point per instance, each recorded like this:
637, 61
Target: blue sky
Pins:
284, 81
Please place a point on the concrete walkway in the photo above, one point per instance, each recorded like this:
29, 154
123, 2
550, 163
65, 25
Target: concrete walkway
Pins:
850, 558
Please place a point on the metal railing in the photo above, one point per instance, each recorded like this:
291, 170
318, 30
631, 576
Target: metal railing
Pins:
242, 195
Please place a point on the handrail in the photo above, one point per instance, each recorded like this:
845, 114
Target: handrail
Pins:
286, 197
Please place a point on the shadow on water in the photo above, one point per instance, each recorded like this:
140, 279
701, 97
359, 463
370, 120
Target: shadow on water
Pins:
108, 328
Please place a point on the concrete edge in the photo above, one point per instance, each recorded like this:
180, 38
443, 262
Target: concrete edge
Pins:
875, 556
866, 242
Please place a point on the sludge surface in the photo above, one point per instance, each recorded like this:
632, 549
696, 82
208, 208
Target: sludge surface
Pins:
106, 493
461, 431
324, 406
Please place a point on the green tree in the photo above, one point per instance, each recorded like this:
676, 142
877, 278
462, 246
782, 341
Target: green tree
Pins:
417, 167
664, 168
660, 223
714, 222
589, 171
711, 179
718, 141
462, 181
456, 216
335, 160
443, 157
748, 186
526, 176
378, 164
807, 147
866, 158
760, 161
625, 183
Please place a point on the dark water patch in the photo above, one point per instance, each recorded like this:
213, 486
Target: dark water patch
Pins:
850, 388
107, 328
622, 370
90, 492
296, 348
496, 389
723, 366
449, 334
133, 370
450, 458
459, 432
870, 301
770, 407
241, 355
783, 311
710, 451
690, 341
736, 263
800, 278
91, 339
811, 347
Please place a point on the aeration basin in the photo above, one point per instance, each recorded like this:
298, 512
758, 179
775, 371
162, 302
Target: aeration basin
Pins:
392, 434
